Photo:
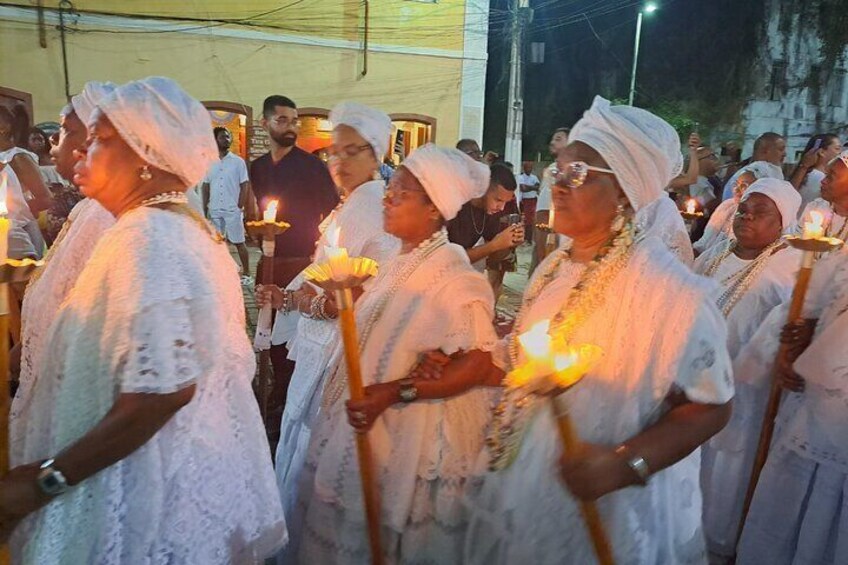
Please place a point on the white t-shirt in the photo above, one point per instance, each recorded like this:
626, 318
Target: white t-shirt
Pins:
225, 177
529, 180
702, 191
810, 188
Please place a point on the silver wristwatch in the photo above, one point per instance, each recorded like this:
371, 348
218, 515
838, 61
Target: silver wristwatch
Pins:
408, 391
636, 462
50, 480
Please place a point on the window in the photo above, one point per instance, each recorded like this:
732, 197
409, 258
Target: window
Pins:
778, 80
836, 88
814, 86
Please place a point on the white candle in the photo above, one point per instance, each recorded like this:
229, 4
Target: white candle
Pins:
551, 217
690, 206
340, 264
814, 229
270, 214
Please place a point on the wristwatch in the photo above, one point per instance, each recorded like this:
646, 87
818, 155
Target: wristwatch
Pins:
408, 391
50, 480
636, 463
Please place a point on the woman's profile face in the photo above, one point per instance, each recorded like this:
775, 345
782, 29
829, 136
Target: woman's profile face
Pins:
107, 169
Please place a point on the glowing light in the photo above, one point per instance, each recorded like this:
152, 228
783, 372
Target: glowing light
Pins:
270, 214
814, 229
650, 8
691, 205
536, 342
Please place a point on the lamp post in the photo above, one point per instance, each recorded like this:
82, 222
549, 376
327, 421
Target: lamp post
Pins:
649, 8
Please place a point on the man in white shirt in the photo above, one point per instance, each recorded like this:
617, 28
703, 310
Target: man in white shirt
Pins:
225, 191
528, 186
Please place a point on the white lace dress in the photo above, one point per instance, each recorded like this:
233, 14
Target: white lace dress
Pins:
423, 451
662, 219
659, 330
45, 294
157, 308
719, 227
315, 343
729, 456
799, 514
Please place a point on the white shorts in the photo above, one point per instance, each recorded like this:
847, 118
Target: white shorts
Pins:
229, 224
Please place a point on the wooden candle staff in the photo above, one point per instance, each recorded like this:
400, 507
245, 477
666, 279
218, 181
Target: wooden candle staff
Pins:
551, 363
812, 242
341, 274
267, 231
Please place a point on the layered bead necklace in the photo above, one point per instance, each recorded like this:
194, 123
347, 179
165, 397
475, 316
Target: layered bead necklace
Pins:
587, 296
736, 285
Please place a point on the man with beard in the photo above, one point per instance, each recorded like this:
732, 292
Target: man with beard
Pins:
306, 194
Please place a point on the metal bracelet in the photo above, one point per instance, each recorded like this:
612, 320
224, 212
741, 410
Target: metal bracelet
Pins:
636, 463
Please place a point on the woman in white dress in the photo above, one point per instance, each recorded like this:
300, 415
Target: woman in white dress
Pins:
807, 177
144, 439
756, 270
64, 262
360, 139
661, 389
425, 434
720, 226
833, 204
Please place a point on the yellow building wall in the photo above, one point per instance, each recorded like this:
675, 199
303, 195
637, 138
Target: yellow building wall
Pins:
237, 70
392, 22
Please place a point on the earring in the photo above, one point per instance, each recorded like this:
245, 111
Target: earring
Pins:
145, 174
620, 218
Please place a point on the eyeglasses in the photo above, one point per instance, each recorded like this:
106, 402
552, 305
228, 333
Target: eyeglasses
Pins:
395, 197
711, 157
574, 174
477, 155
346, 152
284, 122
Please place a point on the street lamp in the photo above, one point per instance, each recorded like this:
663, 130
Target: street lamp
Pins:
648, 8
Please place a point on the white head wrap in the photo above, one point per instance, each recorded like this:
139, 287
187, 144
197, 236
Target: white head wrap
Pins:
642, 149
92, 93
450, 177
762, 170
782, 193
842, 157
164, 125
375, 126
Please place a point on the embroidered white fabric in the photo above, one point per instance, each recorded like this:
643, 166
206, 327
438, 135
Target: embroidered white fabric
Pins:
86, 224
158, 307
660, 331
729, 456
662, 219
423, 451
317, 344
719, 227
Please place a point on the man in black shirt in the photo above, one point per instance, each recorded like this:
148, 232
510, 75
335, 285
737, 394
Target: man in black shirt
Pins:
306, 194
481, 219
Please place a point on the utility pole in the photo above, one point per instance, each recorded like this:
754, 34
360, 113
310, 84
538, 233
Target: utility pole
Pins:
522, 14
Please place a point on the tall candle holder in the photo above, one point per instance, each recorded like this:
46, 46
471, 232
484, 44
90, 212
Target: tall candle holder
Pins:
812, 243
266, 230
340, 275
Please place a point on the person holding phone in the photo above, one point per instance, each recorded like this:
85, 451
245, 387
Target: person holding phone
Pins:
808, 175
478, 227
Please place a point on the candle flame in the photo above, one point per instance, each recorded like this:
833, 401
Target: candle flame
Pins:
536, 342
270, 214
815, 227
690, 206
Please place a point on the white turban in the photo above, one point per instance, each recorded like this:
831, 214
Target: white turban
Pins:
842, 157
450, 177
782, 193
373, 125
762, 170
642, 149
165, 126
92, 93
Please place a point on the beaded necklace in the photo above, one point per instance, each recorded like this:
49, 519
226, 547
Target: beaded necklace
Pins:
587, 296
425, 249
843, 231
737, 284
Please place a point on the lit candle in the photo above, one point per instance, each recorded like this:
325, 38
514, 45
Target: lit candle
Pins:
814, 229
337, 256
551, 217
536, 342
270, 214
4, 221
690, 206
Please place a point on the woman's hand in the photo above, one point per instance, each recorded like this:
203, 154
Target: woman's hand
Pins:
19, 497
789, 379
430, 365
269, 294
811, 158
694, 141
594, 471
361, 414
797, 336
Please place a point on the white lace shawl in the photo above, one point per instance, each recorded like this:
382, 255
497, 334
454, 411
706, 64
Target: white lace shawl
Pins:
662, 219
361, 221
157, 308
659, 329
88, 220
445, 305
719, 227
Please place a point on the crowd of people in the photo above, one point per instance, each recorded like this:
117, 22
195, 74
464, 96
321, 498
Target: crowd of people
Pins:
135, 435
